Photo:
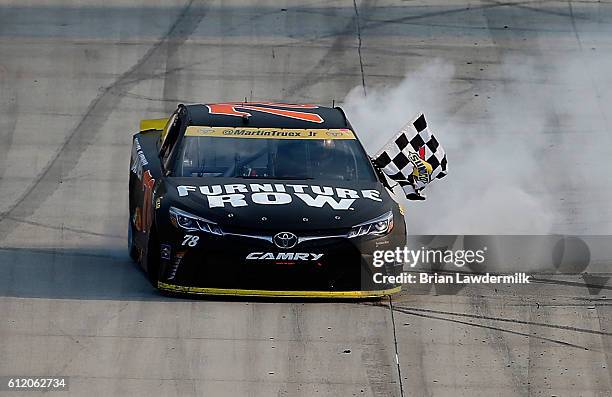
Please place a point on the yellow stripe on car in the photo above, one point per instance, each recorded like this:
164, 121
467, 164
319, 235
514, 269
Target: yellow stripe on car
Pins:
269, 133
279, 294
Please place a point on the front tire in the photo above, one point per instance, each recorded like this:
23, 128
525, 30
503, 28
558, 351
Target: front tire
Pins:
132, 250
152, 258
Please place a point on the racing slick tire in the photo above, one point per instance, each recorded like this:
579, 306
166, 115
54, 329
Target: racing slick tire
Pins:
132, 250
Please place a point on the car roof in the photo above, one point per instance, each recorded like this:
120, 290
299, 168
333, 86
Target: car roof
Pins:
266, 115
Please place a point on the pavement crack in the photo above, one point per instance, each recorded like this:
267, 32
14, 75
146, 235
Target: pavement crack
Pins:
560, 342
62, 227
508, 320
358, 28
70, 151
397, 360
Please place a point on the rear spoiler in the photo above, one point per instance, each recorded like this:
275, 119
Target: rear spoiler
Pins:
153, 124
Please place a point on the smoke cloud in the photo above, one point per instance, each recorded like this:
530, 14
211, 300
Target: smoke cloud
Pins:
529, 154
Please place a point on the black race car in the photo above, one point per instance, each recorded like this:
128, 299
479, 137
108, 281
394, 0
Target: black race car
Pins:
258, 199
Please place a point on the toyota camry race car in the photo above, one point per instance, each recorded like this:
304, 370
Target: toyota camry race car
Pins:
260, 199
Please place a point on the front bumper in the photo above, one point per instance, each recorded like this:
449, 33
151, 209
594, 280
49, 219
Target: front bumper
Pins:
220, 265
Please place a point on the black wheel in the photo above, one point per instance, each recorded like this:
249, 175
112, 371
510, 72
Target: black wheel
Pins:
132, 250
152, 258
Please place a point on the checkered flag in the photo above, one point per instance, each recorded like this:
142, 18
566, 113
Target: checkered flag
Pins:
413, 158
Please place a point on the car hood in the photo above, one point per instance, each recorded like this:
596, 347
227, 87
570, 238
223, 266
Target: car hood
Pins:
292, 205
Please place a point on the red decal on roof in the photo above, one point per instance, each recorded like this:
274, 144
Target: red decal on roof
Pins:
230, 109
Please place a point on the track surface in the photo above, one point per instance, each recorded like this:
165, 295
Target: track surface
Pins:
75, 80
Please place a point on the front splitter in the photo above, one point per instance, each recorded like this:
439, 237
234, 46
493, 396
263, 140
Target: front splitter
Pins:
274, 293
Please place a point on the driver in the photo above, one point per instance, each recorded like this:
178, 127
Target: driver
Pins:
327, 161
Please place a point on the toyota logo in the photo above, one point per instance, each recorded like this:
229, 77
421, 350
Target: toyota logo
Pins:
285, 240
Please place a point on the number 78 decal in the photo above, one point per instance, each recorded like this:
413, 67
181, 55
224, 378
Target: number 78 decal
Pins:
190, 240
229, 109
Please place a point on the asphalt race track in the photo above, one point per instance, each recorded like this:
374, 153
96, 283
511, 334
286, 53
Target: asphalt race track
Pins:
76, 79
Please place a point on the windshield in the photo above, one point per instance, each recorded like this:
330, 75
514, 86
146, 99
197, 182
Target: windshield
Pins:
273, 159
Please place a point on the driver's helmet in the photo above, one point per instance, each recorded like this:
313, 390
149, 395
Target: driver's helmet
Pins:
323, 151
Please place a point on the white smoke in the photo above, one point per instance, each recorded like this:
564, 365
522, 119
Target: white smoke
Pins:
527, 155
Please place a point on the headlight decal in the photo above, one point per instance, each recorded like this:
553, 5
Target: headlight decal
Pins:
379, 226
190, 222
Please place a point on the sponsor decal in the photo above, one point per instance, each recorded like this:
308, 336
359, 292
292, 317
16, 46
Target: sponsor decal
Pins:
203, 130
285, 240
178, 258
422, 152
165, 251
269, 133
148, 181
147, 187
277, 109
422, 171
138, 219
138, 160
335, 133
242, 195
283, 256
